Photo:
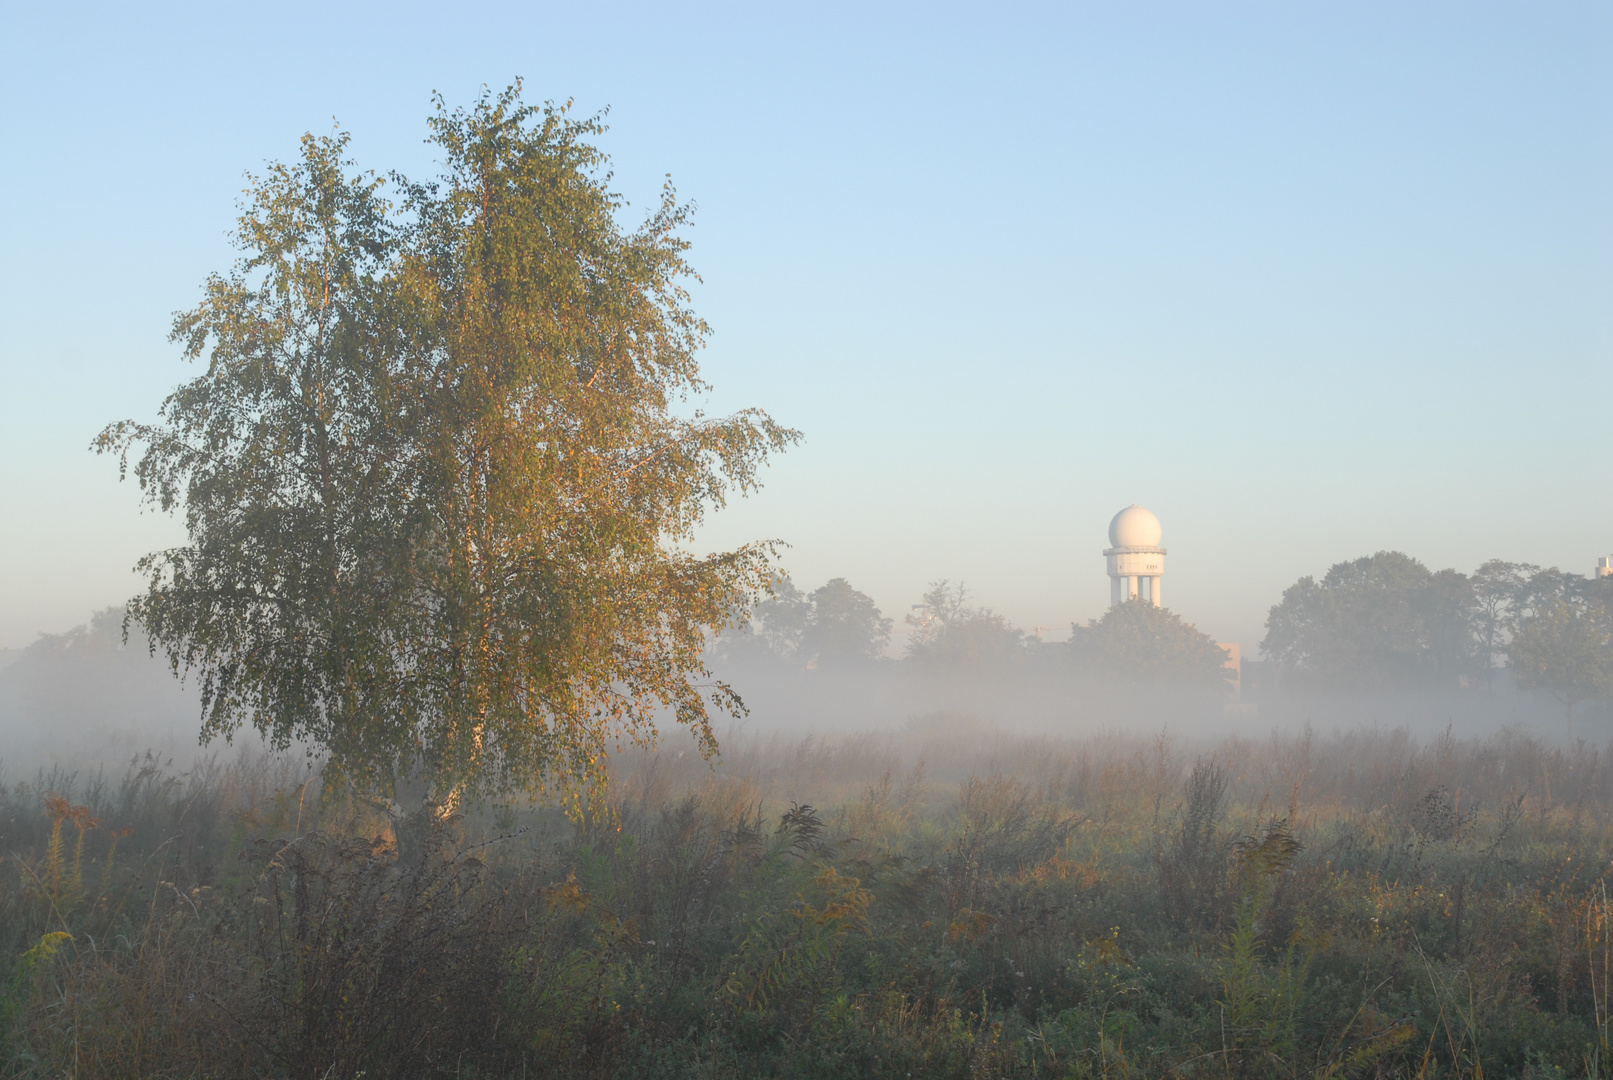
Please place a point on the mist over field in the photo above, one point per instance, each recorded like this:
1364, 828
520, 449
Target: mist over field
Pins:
567, 542
821, 664
84, 700
946, 896
968, 849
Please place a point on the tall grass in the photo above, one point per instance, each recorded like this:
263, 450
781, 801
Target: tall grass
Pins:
946, 901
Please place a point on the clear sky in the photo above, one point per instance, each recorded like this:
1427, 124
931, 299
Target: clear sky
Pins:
1307, 280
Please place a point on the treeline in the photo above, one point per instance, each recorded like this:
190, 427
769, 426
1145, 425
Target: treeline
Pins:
89, 697
838, 628
1385, 622
1382, 623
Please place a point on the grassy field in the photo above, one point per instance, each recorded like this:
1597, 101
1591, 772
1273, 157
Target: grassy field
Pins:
946, 901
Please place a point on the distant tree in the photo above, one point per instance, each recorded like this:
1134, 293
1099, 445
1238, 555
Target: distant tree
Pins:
433, 477
843, 625
1139, 644
947, 631
1564, 646
1544, 589
834, 624
1379, 622
1498, 593
1443, 606
780, 621
89, 680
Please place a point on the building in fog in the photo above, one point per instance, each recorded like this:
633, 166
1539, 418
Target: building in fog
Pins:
1136, 561
1234, 664
1137, 567
1604, 566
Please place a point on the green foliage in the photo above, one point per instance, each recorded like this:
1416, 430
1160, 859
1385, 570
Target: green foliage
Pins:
1261, 1004
1192, 868
1136, 643
436, 476
1379, 622
1384, 622
17, 992
1500, 597
1566, 646
787, 962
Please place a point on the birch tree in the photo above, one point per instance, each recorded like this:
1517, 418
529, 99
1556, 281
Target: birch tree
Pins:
441, 471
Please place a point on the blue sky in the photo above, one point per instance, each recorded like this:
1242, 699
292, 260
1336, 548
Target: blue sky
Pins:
1306, 280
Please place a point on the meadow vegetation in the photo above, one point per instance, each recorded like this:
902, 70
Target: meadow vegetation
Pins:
439, 472
944, 901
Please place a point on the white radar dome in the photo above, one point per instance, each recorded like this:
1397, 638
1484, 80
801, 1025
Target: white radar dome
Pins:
1135, 527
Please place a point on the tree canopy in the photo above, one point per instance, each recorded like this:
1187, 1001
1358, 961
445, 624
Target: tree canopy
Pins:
1500, 591
946, 630
1139, 644
1565, 645
844, 625
1383, 621
833, 625
438, 472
